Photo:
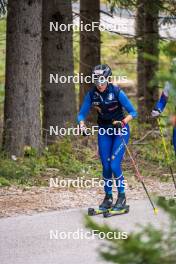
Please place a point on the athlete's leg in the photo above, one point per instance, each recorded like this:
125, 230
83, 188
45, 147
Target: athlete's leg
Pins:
118, 152
105, 147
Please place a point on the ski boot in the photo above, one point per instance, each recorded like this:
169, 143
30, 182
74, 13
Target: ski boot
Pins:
120, 203
119, 207
105, 206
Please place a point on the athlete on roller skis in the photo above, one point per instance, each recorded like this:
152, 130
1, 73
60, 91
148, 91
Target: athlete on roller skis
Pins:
110, 102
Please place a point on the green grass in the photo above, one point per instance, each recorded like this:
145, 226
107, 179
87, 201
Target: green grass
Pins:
67, 156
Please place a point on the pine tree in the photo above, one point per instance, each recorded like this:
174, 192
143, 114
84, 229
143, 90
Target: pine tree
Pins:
22, 86
89, 41
59, 102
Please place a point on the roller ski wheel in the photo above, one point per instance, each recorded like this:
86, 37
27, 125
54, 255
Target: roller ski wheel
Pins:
120, 211
94, 211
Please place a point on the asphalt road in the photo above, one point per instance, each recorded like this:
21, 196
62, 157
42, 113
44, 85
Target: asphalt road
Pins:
37, 239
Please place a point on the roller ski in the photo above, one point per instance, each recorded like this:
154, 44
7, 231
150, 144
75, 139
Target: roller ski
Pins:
104, 207
118, 208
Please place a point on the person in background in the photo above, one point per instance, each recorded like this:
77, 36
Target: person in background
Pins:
168, 91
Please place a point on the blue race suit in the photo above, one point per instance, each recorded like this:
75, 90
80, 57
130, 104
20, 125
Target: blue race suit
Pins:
111, 104
160, 106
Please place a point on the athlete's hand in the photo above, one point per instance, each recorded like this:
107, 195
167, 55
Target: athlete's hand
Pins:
155, 113
118, 124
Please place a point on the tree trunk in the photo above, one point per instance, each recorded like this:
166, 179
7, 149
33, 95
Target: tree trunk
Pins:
59, 99
89, 42
147, 42
22, 124
141, 84
151, 38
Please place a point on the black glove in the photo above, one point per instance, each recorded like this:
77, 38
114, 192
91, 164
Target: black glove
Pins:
118, 124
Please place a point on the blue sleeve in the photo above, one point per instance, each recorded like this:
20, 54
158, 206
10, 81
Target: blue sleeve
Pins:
125, 102
85, 108
160, 105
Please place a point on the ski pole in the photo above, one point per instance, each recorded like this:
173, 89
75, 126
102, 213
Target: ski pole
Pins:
139, 176
166, 152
